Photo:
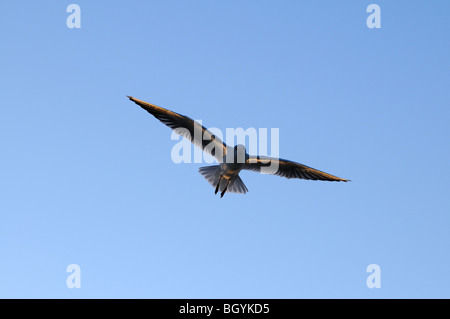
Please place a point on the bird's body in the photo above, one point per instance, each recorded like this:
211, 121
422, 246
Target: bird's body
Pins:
228, 171
225, 176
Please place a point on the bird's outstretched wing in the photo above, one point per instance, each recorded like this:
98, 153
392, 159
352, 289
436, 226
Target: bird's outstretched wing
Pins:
288, 169
188, 128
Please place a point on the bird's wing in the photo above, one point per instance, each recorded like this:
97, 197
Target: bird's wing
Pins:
288, 169
188, 128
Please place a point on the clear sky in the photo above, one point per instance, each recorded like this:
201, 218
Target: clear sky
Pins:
86, 176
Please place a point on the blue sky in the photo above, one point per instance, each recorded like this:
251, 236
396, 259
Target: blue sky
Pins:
86, 176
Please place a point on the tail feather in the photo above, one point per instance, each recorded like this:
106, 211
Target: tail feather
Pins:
212, 175
237, 186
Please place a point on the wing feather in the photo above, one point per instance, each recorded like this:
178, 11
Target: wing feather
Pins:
288, 169
188, 128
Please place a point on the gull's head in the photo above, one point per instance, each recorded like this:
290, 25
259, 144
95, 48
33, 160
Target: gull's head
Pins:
239, 147
240, 154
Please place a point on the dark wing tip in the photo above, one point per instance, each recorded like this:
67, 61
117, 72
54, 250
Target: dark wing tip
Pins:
338, 179
142, 104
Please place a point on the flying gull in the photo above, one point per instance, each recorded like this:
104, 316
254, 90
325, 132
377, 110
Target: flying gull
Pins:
225, 177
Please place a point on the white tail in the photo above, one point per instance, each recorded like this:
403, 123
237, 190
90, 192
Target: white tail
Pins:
212, 175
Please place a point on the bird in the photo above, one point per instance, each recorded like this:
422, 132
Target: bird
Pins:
225, 176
